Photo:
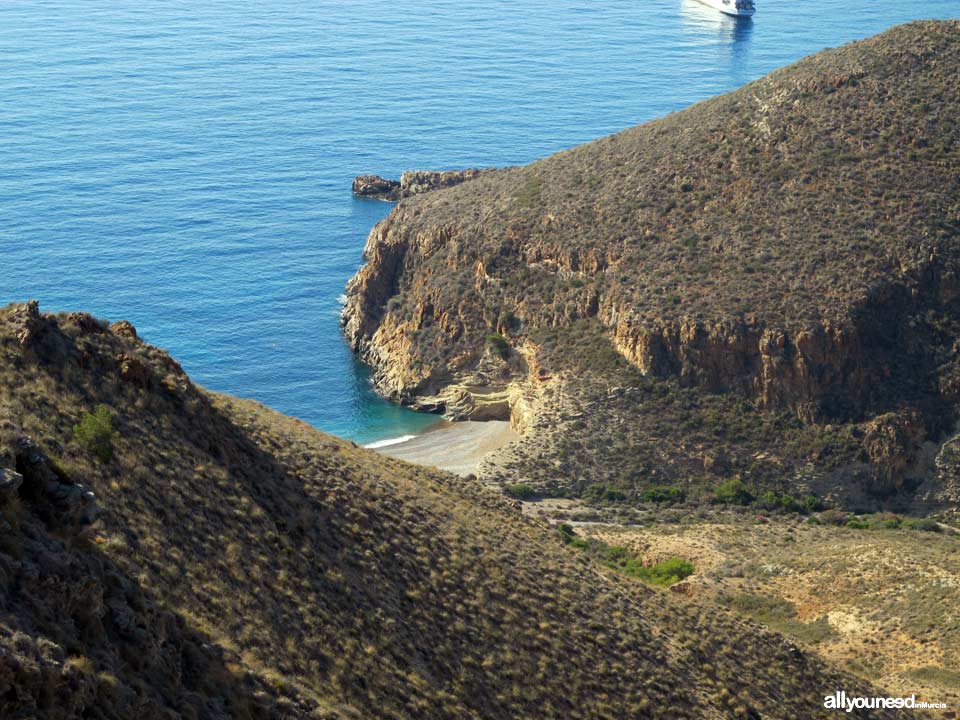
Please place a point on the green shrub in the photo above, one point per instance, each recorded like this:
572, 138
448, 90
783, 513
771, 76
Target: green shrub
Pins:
788, 503
887, 521
498, 343
833, 517
664, 493
95, 433
570, 537
520, 491
604, 494
733, 492
611, 495
924, 524
769, 500
666, 573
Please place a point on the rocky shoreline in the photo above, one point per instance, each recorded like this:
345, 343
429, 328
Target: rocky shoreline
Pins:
414, 182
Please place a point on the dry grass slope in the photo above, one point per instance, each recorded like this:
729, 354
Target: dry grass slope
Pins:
881, 602
248, 566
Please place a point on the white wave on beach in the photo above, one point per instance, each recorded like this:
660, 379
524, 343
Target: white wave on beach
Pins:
342, 299
389, 441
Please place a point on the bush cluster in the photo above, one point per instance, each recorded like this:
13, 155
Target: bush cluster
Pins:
95, 433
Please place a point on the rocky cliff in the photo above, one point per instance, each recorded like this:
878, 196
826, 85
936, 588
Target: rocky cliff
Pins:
794, 243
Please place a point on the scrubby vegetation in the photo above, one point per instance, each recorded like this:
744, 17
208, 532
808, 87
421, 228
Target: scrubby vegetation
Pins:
662, 494
95, 432
876, 521
520, 491
618, 436
664, 573
499, 344
879, 598
762, 285
247, 566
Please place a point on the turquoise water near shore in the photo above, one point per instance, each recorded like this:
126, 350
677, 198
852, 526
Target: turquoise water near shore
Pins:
187, 166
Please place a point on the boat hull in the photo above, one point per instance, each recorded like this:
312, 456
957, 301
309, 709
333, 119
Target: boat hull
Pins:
729, 9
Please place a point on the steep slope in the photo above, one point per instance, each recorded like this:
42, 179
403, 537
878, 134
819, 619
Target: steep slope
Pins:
235, 563
793, 243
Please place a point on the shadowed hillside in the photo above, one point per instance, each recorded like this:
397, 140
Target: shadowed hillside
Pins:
773, 272
171, 553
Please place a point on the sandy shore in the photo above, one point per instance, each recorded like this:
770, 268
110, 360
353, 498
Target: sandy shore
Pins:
457, 447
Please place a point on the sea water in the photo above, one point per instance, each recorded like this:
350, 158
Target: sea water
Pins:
187, 165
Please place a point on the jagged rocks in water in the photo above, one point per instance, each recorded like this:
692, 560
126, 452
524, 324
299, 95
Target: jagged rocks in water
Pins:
374, 186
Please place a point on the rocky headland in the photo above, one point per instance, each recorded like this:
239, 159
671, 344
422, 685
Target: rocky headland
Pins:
760, 288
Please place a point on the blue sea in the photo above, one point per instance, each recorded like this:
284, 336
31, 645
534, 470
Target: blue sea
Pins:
187, 165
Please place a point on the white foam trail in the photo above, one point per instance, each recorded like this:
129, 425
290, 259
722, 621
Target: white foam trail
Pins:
389, 441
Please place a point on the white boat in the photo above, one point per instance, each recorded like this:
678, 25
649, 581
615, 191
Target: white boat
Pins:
738, 8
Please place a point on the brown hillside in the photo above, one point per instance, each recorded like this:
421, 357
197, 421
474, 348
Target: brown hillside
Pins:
794, 242
240, 564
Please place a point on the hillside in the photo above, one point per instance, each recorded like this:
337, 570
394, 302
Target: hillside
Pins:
763, 285
171, 553
877, 598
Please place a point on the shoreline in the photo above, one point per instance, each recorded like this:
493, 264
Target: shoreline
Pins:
456, 447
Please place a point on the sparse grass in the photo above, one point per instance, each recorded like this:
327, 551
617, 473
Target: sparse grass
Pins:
937, 676
287, 569
762, 608
881, 602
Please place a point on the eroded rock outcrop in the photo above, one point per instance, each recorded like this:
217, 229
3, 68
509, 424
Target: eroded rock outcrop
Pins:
414, 182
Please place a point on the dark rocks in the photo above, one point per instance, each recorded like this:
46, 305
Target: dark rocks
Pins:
68, 504
135, 371
10, 482
891, 442
76, 506
374, 186
86, 323
415, 182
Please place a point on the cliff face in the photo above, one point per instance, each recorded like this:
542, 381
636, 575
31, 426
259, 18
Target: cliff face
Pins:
823, 371
794, 242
